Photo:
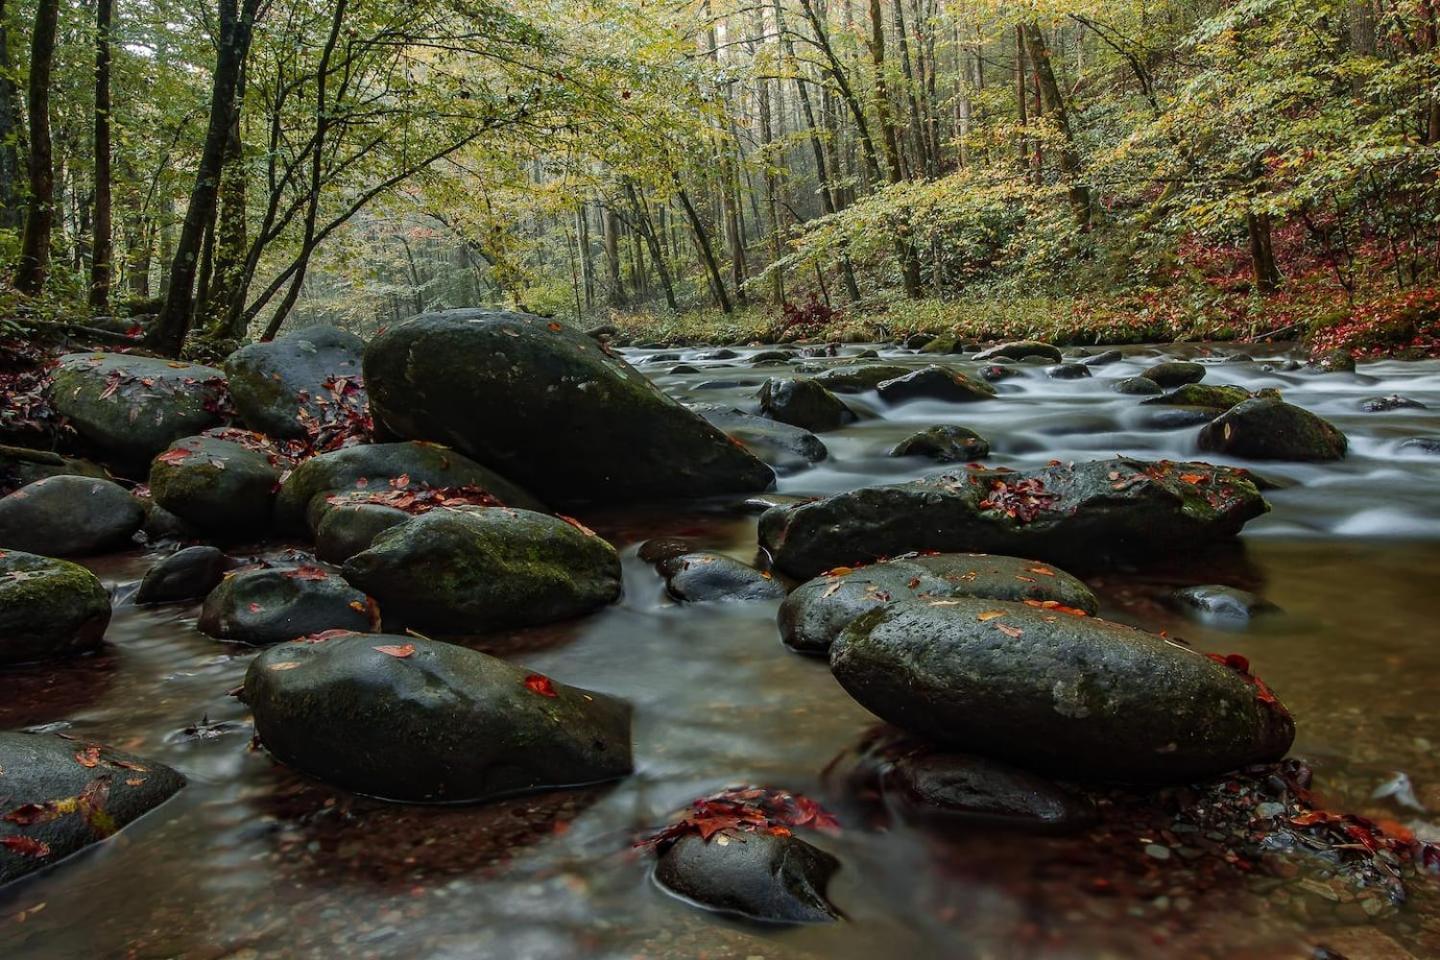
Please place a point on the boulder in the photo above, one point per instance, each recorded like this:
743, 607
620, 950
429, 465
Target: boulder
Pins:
1022, 350
1269, 429
816, 611
1338, 360
995, 372
472, 570
1392, 402
1137, 387
944, 444
407, 719
48, 608
217, 486
783, 447
20, 466
284, 387
1085, 514
759, 876
1175, 373
1202, 396
704, 577
1424, 446
771, 356
1069, 371
935, 383
943, 344
68, 516
803, 403
63, 795
278, 603
349, 528
1104, 358
1058, 693
131, 407
549, 408
185, 575
858, 378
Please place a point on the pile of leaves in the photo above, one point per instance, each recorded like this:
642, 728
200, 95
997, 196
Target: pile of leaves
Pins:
744, 810
1021, 500
280, 453
344, 419
417, 498
25, 410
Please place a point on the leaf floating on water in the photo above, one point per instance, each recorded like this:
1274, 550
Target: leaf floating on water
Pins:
541, 684
26, 846
398, 651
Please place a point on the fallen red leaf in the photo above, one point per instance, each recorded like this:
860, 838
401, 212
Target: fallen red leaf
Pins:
541, 684
26, 846
88, 757
398, 651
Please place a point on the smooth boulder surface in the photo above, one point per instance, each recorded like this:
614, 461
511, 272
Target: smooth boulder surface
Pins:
48, 608
548, 408
1212, 397
705, 577
1069, 371
132, 407
759, 876
275, 604
1137, 387
935, 383
783, 447
218, 486
1218, 602
69, 516
944, 444
1087, 515
349, 528
281, 386
188, 574
1058, 693
1175, 373
803, 403
377, 468
59, 796
467, 571
815, 612
858, 378
1269, 429
1387, 404
21, 465
1021, 350
403, 718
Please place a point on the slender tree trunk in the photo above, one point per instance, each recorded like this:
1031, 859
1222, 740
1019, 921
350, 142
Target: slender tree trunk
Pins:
702, 246
1262, 255
611, 232
12, 210
40, 205
102, 246
1022, 98
587, 261
767, 136
231, 235
905, 247
646, 227
1054, 104
923, 160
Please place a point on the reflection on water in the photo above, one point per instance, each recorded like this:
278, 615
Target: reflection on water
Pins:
255, 862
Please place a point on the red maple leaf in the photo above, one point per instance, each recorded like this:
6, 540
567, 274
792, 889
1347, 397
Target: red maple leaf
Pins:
541, 684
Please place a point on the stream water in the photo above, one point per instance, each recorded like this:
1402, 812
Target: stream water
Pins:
252, 861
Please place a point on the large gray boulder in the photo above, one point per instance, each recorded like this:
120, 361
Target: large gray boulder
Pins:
21, 465
547, 407
804, 403
785, 448
287, 387
48, 608
408, 719
217, 486
274, 604
1055, 692
66, 516
1267, 428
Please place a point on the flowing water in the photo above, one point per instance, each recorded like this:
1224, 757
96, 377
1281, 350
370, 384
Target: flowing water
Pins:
253, 861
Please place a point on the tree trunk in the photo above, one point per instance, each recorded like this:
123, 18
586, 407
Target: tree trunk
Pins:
231, 236
905, 248
646, 227
40, 205
102, 247
611, 232
12, 212
702, 245
1054, 105
1262, 255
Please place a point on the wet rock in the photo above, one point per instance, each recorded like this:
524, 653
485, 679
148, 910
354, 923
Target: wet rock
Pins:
578, 424
943, 344
724, 353
20, 466
1429, 446
373, 467
1270, 429
1104, 359
48, 608
64, 795
1220, 602
279, 386
1282, 366
664, 548
349, 528
1022, 350
1179, 418
1213, 397
944, 444
935, 383
275, 604
161, 525
131, 407
682, 368
816, 611
407, 719
1089, 514
771, 356
1335, 361
917, 340
467, 571
218, 486
1175, 373
759, 876
803, 403
1138, 387
1069, 371
705, 577
1392, 402
68, 516
782, 446
995, 372
188, 574
1058, 693
860, 377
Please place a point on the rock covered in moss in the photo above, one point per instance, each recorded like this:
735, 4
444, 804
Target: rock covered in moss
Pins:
708, 577
1270, 429
282, 386
804, 403
547, 407
857, 378
20, 466
1204, 396
948, 443
1137, 387
403, 718
349, 528
1022, 350
468, 571
48, 608
219, 486
943, 344
272, 604
67, 516
759, 876
1175, 373
935, 383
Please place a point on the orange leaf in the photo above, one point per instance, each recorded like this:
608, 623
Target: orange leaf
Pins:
990, 615
1011, 632
398, 651
88, 757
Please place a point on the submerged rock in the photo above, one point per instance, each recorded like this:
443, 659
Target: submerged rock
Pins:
1427, 446
416, 720
860, 377
944, 444
703, 577
547, 407
63, 795
1089, 514
69, 516
803, 403
1056, 692
1392, 402
760, 876
272, 605
1220, 602
470, 570
48, 608
1138, 387
188, 574
218, 486
1104, 358
782, 446
1212, 397
1270, 429
1022, 350
935, 383
282, 387
816, 611
1175, 373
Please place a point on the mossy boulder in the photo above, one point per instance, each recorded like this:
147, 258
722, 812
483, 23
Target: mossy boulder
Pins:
218, 486
943, 344
1022, 350
402, 718
281, 386
68, 516
815, 612
785, 448
1138, 387
759, 876
1085, 515
1269, 429
1058, 693
1175, 373
62, 795
278, 603
349, 528
1202, 396
129, 407
20, 466
48, 608
708, 577
468, 571
947, 443
858, 378
547, 407
1069, 371
935, 383
804, 403
185, 575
